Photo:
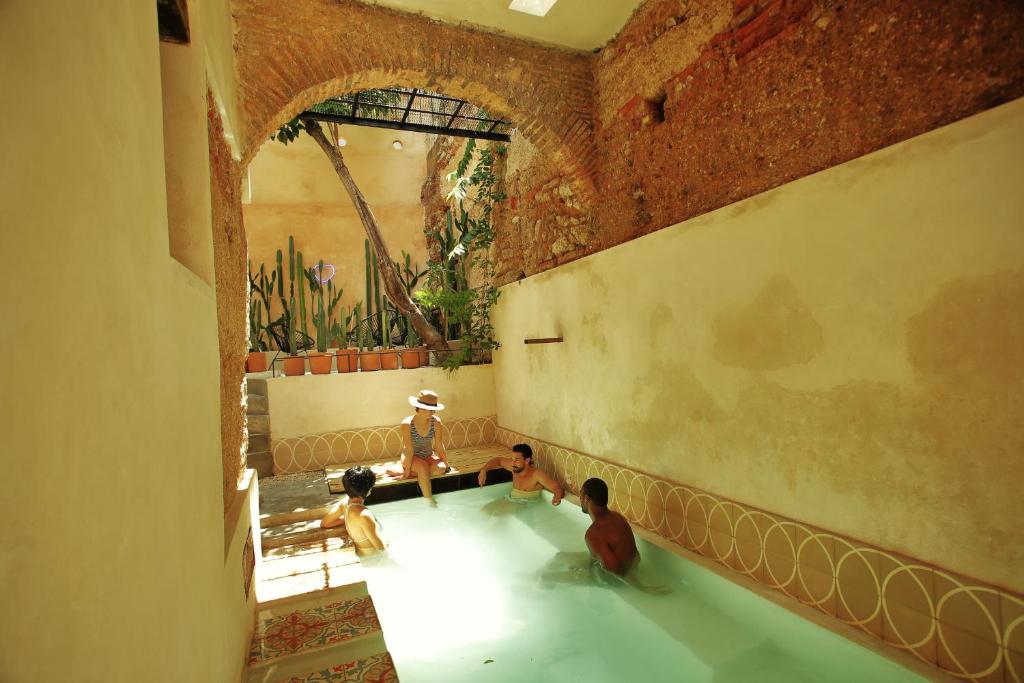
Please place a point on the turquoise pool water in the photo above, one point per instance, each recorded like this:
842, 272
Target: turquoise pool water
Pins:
484, 589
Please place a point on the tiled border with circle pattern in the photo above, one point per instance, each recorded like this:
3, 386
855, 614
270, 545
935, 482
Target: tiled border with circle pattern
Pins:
966, 628
316, 451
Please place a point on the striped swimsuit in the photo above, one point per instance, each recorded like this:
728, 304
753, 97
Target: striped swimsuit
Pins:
422, 446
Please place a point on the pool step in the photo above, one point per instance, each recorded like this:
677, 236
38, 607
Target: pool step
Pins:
306, 568
301, 531
333, 635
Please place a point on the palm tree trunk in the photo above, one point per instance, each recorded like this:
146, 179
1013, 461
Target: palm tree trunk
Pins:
392, 283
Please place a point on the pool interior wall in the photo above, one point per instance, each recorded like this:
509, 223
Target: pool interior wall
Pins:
483, 588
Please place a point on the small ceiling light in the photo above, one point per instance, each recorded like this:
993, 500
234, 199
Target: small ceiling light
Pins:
342, 142
397, 144
537, 8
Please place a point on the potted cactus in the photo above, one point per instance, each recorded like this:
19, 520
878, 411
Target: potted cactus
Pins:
320, 362
261, 288
294, 364
411, 355
347, 359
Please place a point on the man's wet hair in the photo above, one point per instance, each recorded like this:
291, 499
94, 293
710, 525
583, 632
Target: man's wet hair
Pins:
524, 449
596, 490
358, 481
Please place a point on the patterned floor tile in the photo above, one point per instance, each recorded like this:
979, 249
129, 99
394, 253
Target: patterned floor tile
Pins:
377, 668
312, 628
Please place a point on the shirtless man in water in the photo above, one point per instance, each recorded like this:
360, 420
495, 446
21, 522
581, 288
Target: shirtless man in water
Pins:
527, 480
610, 537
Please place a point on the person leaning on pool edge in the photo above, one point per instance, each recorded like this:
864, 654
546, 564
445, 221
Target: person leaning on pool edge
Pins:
527, 480
363, 528
423, 440
609, 537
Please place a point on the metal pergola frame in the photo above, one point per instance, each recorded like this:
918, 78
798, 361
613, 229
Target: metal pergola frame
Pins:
413, 110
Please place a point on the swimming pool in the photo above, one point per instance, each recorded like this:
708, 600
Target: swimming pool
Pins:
485, 589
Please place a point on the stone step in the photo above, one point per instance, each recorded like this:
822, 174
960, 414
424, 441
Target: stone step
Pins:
306, 568
256, 387
261, 461
257, 405
259, 443
281, 518
257, 424
293, 533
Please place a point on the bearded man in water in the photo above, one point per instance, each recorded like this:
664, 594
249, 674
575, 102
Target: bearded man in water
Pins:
527, 480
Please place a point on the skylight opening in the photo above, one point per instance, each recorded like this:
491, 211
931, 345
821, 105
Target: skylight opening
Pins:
537, 8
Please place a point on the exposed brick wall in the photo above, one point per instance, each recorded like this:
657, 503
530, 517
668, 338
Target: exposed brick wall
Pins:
703, 103
231, 280
546, 220
695, 104
291, 55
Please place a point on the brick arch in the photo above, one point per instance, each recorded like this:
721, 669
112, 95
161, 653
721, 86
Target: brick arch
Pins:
292, 55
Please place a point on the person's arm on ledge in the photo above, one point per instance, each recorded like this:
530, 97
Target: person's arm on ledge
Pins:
493, 464
334, 517
551, 485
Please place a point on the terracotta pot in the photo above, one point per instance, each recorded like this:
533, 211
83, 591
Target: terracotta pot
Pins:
256, 362
294, 365
389, 359
424, 356
347, 360
320, 363
369, 361
410, 359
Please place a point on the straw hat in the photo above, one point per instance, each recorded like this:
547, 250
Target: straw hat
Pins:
427, 400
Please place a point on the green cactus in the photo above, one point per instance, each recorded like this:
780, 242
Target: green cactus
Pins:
369, 280
378, 308
303, 276
292, 337
359, 329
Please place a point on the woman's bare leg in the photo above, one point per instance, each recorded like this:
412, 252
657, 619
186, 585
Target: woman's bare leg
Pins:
422, 472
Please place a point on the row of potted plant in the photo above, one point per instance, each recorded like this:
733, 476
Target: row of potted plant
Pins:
335, 329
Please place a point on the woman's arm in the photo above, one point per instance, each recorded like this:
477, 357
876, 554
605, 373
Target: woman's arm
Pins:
407, 454
439, 441
333, 518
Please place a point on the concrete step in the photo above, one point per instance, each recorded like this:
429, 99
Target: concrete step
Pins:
261, 461
281, 518
256, 387
257, 424
293, 533
257, 405
306, 568
259, 443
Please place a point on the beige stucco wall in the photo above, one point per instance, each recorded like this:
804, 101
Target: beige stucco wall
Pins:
312, 404
847, 350
112, 553
295, 191
186, 155
332, 233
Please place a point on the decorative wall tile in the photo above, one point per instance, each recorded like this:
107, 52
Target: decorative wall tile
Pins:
316, 451
967, 628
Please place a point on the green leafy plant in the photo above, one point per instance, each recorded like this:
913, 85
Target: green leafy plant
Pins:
261, 289
465, 243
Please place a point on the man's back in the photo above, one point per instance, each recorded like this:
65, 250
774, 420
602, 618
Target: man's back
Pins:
611, 538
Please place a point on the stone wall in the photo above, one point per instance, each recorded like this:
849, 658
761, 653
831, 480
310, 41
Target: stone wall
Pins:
232, 299
701, 103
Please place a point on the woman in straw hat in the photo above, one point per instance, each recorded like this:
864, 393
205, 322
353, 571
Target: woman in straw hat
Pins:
423, 436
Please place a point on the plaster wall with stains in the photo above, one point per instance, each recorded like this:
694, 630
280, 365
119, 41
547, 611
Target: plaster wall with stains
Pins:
846, 349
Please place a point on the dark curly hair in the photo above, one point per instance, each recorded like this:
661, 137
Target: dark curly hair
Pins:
358, 481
